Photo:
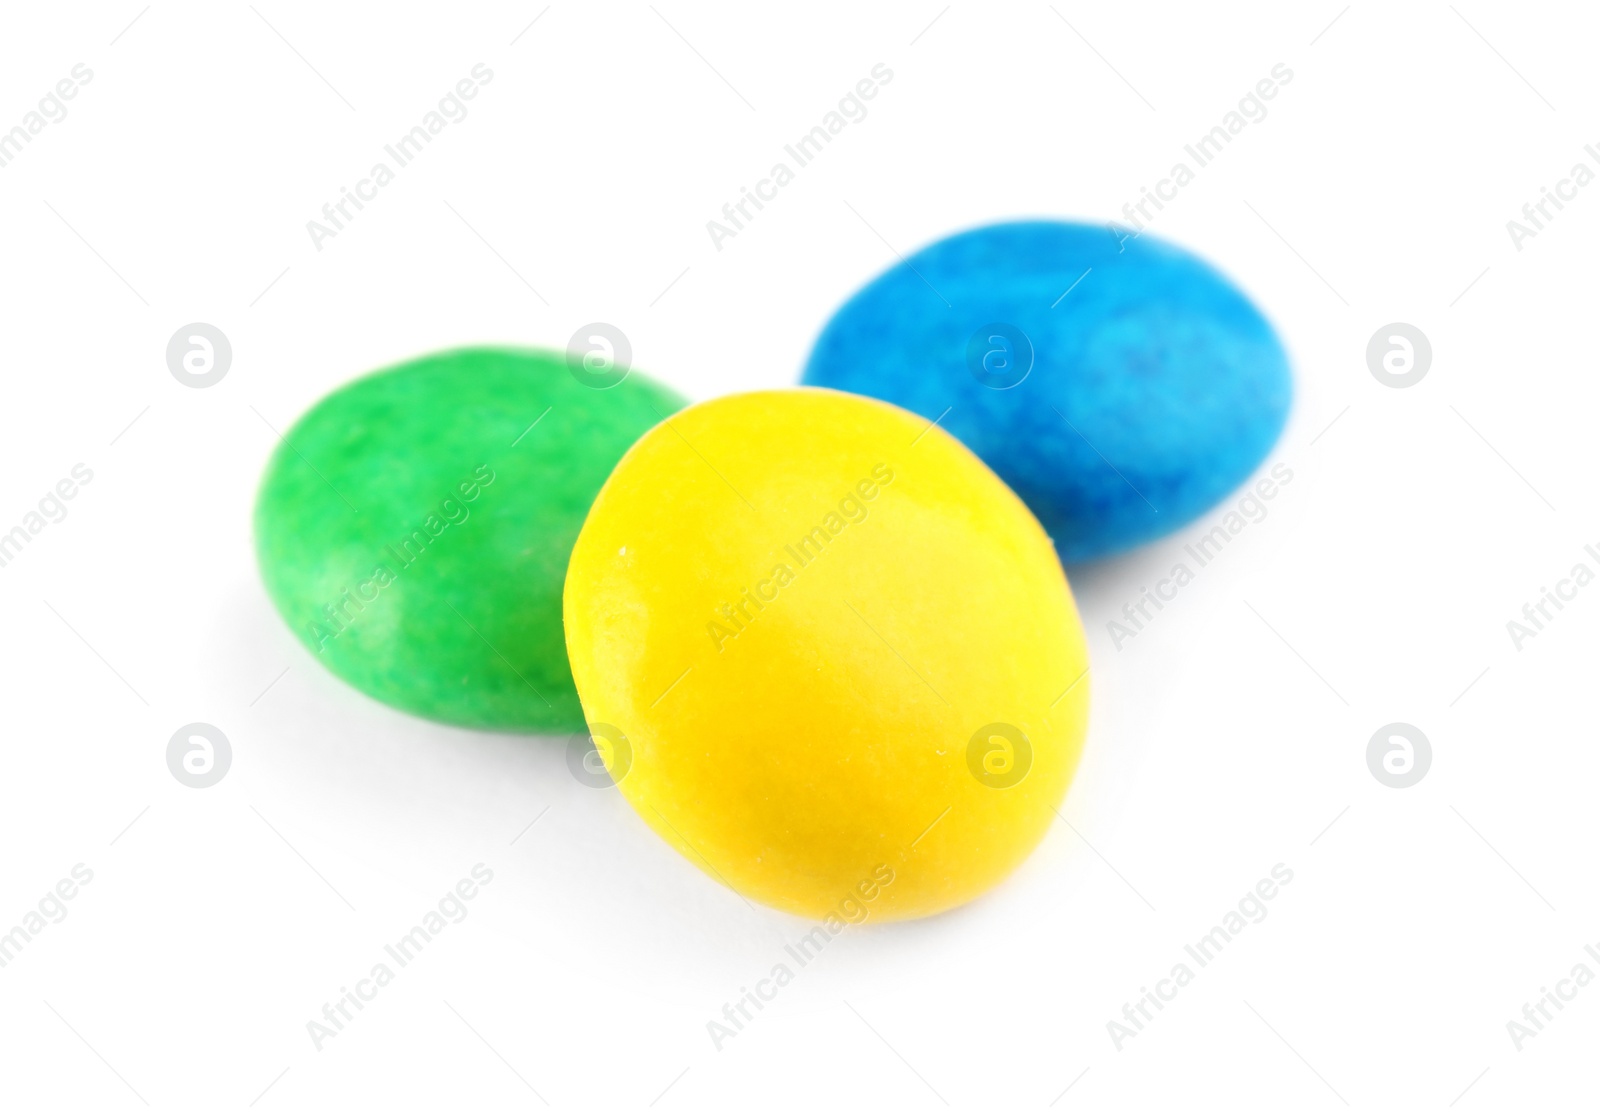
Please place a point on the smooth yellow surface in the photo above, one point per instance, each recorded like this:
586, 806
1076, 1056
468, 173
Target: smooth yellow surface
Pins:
812, 739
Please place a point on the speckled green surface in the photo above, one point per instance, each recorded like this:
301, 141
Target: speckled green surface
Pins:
414, 527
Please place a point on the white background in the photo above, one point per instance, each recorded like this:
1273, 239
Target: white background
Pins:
1226, 737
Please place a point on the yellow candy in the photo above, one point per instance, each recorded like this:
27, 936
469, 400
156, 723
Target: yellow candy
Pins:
827, 654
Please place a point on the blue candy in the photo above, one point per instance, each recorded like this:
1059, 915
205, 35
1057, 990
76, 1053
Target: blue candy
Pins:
1120, 385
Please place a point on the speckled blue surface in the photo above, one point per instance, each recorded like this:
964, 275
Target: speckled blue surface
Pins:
1156, 387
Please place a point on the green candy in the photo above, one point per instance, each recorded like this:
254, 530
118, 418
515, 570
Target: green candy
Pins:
414, 527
